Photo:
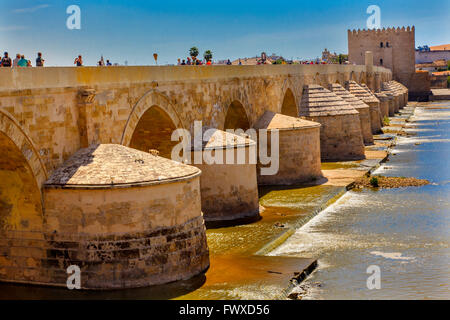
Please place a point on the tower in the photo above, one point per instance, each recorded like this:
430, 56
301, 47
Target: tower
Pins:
392, 48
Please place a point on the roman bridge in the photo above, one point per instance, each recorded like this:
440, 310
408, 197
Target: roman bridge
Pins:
49, 114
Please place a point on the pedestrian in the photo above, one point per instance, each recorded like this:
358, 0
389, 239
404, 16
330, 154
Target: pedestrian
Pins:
208, 63
39, 60
108, 64
16, 60
188, 61
79, 61
179, 62
229, 62
183, 63
6, 61
22, 62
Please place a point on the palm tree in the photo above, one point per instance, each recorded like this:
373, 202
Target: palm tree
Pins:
208, 55
193, 52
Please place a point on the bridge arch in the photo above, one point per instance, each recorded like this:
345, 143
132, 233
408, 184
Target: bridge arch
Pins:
151, 124
289, 104
22, 174
236, 116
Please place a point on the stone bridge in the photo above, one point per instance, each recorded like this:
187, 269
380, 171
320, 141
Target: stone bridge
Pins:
48, 114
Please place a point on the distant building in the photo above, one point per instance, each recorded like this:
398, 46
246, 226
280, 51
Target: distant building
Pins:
263, 59
427, 54
329, 57
433, 66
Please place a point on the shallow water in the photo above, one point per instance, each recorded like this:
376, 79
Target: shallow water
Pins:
406, 232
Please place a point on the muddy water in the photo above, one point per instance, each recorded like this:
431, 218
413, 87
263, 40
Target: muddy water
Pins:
406, 232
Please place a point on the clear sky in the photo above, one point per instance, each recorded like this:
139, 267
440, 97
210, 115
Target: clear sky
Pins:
133, 30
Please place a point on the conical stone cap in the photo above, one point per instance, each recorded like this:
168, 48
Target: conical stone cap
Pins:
347, 96
271, 121
320, 102
389, 86
381, 96
109, 165
214, 139
360, 92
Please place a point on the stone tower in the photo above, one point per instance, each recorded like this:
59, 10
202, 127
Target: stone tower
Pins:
392, 48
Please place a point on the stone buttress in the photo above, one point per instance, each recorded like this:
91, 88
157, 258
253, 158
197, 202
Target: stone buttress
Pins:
362, 108
228, 184
126, 218
340, 134
297, 150
368, 98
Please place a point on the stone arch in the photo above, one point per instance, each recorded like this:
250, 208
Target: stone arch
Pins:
22, 175
289, 105
236, 116
151, 124
12, 130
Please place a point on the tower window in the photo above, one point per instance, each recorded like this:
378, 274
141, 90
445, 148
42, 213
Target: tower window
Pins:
381, 62
381, 44
387, 44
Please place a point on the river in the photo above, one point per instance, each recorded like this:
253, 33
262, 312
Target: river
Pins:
405, 232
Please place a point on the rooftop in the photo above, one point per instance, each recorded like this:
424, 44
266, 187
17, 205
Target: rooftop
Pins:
441, 47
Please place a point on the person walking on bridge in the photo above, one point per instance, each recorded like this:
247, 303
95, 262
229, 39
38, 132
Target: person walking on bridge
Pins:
6, 61
79, 61
39, 60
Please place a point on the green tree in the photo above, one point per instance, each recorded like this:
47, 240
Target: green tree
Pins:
193, 52
208, 55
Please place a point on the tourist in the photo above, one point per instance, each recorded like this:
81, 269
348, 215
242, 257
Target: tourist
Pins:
16, 60
108, 63
229, 62
6, 61
208, 63
188, 61
240, 62
179, 62
39, 60
79, 61
183, 63
22, 62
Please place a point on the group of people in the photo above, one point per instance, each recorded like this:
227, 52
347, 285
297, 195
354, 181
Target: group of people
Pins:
196, 62
79, 62
193, 62
20, 61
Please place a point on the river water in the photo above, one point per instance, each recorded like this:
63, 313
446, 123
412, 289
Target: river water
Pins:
405, 232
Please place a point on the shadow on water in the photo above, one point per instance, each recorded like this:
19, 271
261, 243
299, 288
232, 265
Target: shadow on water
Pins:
167, 291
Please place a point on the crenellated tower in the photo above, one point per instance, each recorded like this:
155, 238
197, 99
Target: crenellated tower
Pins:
393, 48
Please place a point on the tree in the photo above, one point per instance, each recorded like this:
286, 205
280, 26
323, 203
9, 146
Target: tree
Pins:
208, 55
193, 52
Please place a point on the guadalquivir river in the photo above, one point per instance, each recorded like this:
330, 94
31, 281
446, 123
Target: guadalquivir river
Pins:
406, 232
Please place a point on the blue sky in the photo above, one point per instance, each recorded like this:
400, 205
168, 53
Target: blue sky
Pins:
133, 30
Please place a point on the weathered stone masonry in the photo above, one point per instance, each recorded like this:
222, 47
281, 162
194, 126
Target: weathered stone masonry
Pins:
48, 114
